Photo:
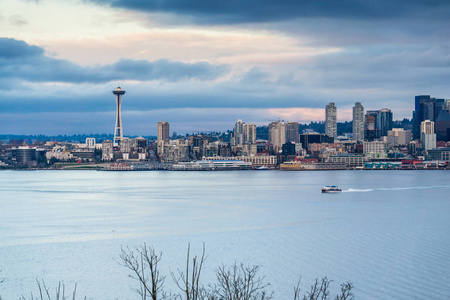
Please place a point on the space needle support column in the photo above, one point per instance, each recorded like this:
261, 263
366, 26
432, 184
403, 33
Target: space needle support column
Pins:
118, 132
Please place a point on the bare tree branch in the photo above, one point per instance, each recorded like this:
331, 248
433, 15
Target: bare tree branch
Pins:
346, 292
143, 262
189, 282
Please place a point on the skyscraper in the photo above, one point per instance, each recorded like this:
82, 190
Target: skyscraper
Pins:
385, 121
426, 108
162, 135
238, 132
250, 133
378, 123
118, 132
427, 135
330, 120
277, 135
292, 132
442, 125
371, 130
358, 122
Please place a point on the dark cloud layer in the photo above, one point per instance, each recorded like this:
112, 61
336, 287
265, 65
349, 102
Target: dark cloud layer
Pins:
18, 60
238, 11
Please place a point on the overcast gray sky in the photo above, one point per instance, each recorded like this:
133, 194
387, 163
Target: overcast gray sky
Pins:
201, 65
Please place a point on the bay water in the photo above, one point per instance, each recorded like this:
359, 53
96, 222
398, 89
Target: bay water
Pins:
387, 232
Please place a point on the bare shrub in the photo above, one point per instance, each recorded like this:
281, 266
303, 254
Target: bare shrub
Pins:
44, 292
240, 282
319, 290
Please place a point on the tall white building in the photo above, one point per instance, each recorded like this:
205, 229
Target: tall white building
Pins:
277, 135
244, 133
249, 133
162, 135
238, 133
358, 122
427, 134
330, 120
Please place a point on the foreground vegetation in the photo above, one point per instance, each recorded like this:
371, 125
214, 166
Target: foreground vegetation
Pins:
235, 282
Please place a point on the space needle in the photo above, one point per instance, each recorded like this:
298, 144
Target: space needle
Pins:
118, 132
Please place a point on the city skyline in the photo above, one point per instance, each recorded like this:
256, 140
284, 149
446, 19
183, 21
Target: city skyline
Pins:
203, 67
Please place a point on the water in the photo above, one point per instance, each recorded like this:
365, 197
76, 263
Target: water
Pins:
387, 232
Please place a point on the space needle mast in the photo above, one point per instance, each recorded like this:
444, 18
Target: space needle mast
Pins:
118, 132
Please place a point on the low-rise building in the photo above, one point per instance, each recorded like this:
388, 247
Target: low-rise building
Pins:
442, 154
256, 160
59, 153
350, 160
374, 149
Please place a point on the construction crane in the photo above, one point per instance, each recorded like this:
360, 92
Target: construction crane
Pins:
279, 120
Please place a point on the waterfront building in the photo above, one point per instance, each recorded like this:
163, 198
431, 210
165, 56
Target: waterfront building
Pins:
163, 131
350, 160
442, 154
118, 132
331, 120
428, 136
214, 164
291, 166
256, 160
358, 122
311, 166
25, 155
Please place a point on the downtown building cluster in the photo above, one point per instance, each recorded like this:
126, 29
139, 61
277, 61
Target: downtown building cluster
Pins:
372, 142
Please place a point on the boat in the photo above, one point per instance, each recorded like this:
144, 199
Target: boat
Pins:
262, 168
331, 189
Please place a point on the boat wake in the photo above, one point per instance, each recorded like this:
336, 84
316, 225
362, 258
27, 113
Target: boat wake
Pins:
395, 189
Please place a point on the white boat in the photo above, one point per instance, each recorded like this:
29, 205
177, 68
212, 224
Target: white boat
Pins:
331, 189
262, 168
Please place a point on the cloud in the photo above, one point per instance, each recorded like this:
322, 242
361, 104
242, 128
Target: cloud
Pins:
237, 11
27, 62
17, 20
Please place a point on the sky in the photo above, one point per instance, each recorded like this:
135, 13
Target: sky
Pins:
202, 65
